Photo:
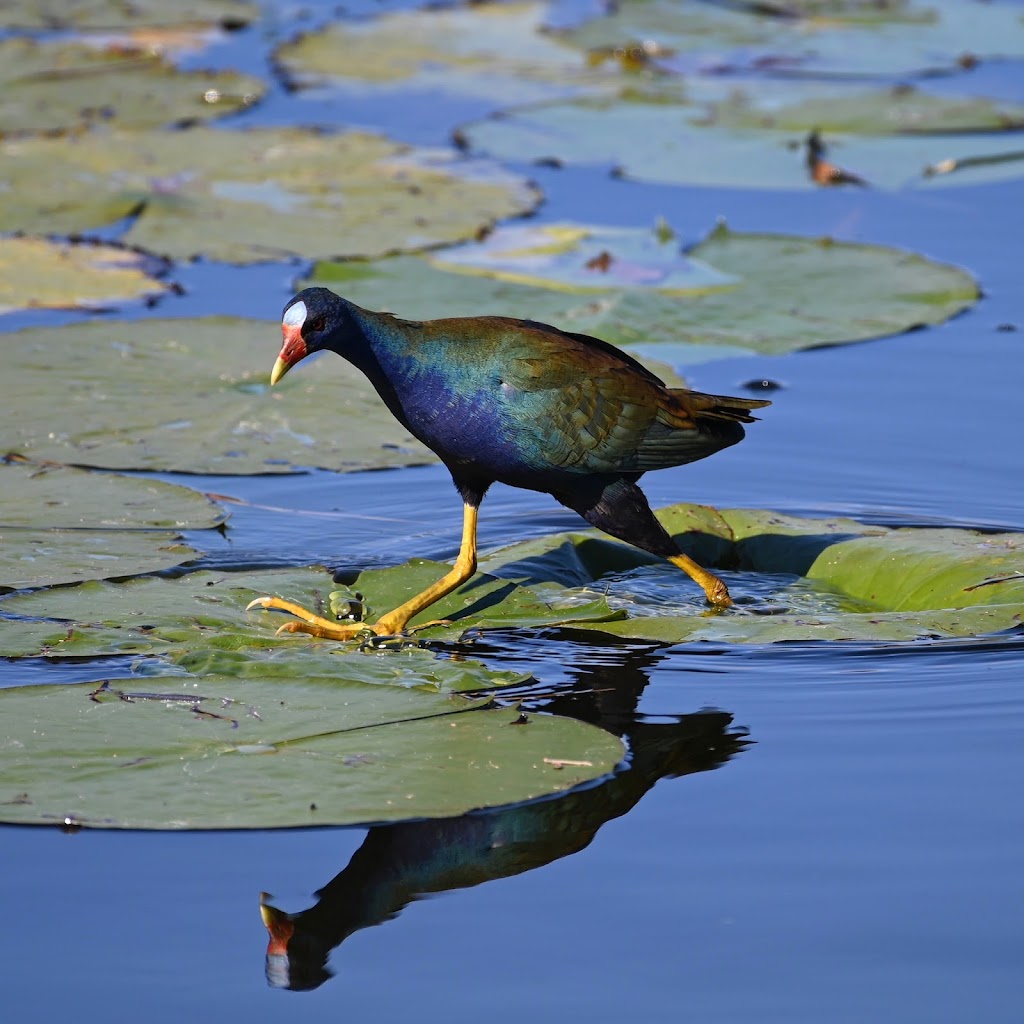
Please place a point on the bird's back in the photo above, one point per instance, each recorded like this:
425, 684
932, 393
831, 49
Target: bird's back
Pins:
522, 400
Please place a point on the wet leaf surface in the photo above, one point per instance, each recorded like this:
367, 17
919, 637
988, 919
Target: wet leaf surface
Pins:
38, 273
47, 87
254, 195
219, 753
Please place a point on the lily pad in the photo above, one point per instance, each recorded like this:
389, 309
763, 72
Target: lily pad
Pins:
36, 273
35, 558
748, 139
483, 50
199, 619
94, 14
65, 525
254, 195
750, 292
835, 37
795, 579
46, 87
190, 396
218, 753
49, 496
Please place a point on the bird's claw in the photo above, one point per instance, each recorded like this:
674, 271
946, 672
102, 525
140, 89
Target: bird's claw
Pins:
309, 622
390, 631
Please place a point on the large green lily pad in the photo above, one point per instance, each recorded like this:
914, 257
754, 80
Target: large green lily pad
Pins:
37, 273
103, 14
65, 525
492, 50
749, 292
754, 138
217, 753
254, 195
46, 87
191, 396
837, 37
794, 579
199, 619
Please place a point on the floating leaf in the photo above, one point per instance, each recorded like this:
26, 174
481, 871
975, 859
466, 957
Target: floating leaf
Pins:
753, 293
492, 50
254, 195
755, 139
36, 273
33, 558
194, 618
836, 37
192, 396
49, 496
45, 87
219, 753
65, 525
795, 579
93, 14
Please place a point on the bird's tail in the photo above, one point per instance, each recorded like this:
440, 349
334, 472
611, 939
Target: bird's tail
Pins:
718, 407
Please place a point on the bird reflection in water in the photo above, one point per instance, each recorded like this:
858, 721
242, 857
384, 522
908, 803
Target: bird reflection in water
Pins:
398, 864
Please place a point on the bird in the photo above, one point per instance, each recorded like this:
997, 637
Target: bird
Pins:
523, 403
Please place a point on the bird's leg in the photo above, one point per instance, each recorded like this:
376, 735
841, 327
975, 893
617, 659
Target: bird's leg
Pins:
714, 589
620, 508
395, 621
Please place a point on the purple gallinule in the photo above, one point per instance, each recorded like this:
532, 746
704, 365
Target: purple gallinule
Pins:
523, 403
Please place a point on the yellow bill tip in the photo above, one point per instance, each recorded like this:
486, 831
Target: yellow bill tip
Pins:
279, 370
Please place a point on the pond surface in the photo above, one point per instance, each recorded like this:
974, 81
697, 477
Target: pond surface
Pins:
807, 832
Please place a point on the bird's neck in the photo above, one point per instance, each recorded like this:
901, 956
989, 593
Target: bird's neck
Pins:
380, 346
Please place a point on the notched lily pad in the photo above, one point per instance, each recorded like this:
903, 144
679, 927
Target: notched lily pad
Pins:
747, 292
217, 753
65, 525
255, 195
191, 396
716, 135
47, 87
105, 14
39, 274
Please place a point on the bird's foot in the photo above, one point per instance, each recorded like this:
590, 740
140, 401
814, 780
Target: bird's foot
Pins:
389, 630
717, 593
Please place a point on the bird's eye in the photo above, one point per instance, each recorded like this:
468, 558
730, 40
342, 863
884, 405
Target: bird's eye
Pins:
314, 326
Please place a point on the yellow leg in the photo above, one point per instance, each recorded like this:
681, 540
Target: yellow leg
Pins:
714, 589
392, 622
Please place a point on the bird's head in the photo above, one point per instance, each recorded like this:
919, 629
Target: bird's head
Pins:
310, 322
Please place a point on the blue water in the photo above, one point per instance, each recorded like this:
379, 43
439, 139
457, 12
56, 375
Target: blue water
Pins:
844, 841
